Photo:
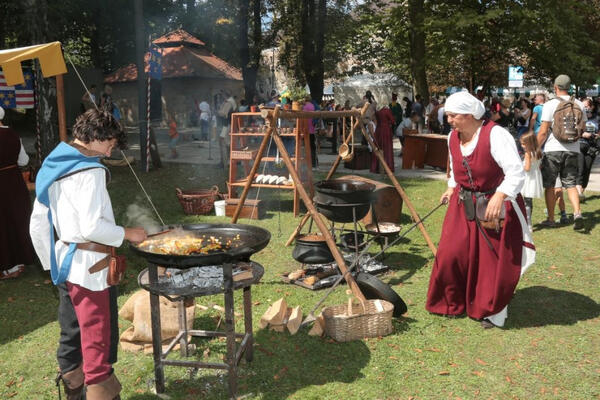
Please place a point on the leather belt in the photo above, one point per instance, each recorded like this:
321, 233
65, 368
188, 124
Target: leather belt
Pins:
99, 248
9, 167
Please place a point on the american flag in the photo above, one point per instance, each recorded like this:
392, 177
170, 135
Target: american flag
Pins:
18, 96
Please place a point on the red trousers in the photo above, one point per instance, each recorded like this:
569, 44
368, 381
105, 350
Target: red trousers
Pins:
88, 332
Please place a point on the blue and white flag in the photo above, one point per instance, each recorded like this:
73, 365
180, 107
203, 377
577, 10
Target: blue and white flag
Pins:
155, 62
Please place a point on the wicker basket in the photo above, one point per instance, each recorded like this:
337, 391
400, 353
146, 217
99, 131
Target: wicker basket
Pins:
198, 202
365, 320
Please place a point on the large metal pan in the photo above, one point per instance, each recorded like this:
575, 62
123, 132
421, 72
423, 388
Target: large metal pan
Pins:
247, 240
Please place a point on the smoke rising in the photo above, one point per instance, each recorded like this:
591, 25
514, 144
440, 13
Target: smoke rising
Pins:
142, 216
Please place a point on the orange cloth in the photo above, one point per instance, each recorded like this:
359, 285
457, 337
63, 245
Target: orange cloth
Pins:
173, 129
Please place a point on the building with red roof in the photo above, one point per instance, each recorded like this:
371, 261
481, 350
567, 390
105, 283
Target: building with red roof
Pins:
190, 74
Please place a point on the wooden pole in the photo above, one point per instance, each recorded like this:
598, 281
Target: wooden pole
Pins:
332, 170
284, 114
261, 150
396, 184
314, 214
62, 115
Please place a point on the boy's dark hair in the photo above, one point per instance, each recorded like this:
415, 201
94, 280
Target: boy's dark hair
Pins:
99, 125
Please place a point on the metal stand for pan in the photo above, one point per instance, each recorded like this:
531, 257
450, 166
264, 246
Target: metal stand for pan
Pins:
234, 352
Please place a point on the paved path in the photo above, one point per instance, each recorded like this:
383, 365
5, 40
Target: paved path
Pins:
205, 153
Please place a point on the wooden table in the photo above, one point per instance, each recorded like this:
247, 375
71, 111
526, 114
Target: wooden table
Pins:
424, 148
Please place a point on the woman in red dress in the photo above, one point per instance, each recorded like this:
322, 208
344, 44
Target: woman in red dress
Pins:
15, 205
481, 253
384, 138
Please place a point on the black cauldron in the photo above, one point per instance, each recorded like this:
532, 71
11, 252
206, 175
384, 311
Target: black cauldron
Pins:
312, 249
342, 212
343, 191
339, 199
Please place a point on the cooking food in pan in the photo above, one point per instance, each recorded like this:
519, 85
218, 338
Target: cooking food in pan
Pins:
189, 244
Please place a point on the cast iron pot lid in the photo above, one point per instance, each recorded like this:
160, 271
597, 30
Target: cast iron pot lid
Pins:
374, 288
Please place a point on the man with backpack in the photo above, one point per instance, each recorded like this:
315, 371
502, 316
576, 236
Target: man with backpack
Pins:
563, 122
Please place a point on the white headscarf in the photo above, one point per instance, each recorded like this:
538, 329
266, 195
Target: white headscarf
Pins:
1, 113
465, 103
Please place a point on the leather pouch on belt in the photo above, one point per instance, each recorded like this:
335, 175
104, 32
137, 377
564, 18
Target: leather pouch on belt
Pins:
116, 268
467, 199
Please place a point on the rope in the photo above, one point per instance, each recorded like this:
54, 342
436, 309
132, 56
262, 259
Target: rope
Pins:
148, 120
121, 151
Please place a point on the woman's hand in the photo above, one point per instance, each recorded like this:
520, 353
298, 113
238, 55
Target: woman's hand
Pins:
135, 235
445, 199
494, 206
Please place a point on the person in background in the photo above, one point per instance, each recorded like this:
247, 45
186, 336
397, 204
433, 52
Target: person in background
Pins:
173, 136
417, 107
72, 200
204, 109
522, 114
16, 249
589, 149
368, 98
243, 107
560, 159
409, 124
309, 106
532, 188
396, 109
407, 107
88, 100
503, 117
433, 123
485, 244
225, 110
536, 115
383, 138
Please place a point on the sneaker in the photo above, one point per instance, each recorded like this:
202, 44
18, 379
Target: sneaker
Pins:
548, 224
578, 222
13, 272
564, 220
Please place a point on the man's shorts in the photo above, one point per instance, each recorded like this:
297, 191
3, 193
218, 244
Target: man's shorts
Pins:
563, 164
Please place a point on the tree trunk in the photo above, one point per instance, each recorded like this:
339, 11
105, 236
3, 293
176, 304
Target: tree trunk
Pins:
314, 18
249, 56
45, 107
416, 14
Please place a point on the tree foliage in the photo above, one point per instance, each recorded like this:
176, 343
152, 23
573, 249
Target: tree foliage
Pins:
472, 42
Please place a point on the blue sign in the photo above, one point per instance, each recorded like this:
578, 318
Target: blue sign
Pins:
515, 76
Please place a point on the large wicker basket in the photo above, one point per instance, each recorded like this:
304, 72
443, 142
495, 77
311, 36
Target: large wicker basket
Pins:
372, 318
199, 201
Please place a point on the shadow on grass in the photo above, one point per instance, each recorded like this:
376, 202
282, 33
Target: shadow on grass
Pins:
540, 306
26, 303
282, 365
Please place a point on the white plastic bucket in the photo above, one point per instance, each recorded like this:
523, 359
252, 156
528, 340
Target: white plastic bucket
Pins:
220, 208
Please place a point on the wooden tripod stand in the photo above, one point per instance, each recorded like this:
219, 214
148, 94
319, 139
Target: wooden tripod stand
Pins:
272, 116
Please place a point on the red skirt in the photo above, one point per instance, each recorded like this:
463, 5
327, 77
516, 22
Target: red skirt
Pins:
468, 276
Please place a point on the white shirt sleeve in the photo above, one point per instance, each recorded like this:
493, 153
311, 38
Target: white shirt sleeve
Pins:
23, 157
39, 230
451, 181
94, 219
504, 151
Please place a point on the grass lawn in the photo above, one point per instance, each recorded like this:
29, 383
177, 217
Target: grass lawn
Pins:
549, 348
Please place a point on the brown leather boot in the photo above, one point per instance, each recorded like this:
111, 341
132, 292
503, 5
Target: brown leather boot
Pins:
108, 389
72, 383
